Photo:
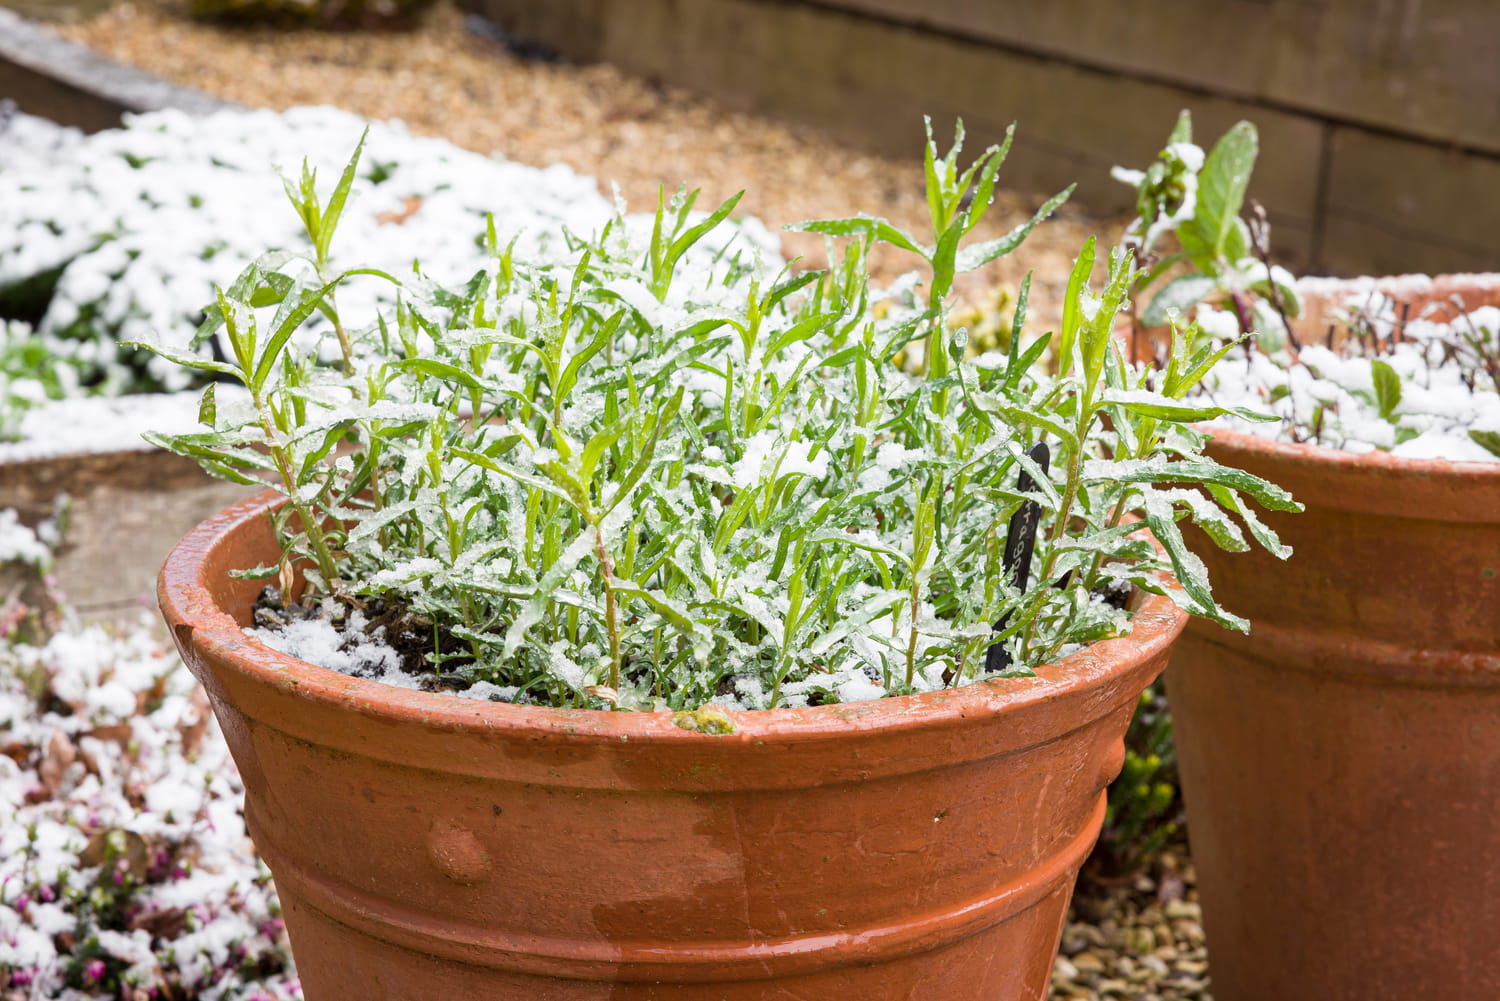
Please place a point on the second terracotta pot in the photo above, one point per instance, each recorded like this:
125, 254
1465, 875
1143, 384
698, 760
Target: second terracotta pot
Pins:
425, 846
1341, 763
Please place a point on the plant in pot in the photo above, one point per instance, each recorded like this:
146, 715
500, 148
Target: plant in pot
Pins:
1339, 762
690, 648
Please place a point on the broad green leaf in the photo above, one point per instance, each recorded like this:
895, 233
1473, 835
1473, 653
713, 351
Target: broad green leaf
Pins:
1488, 440
1387, 388
1181, 293
1215, 233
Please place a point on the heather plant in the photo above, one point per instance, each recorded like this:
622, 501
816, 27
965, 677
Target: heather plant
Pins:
125, 872
661, 474
31, 373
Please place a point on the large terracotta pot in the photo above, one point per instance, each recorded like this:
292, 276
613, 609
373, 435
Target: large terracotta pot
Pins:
430, 847
1341, 763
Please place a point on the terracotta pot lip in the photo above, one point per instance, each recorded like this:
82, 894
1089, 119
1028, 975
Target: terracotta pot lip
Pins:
1375, 462
188, 601
1407, 283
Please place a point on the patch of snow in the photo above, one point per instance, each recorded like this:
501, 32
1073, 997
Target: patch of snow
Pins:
104, 424
20, 544
1329, 396
347, 649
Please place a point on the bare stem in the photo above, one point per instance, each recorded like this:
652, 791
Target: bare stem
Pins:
911, 643
611, 609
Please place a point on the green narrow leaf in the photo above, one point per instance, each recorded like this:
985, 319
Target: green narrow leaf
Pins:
1072, 316
441, 371
1191, 575
993, 159
1182, 131
977, 256
208, 410
185, 359
862, 225
335, 208
1262, 532
692, 236
1203, 471
293, 313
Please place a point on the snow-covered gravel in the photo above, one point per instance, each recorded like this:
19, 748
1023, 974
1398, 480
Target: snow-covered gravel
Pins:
125, 870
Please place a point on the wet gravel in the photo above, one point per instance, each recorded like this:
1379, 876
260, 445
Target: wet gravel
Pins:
1141, 940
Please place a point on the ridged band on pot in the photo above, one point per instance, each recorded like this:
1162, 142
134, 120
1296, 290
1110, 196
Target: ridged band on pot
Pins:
430, 846
1341, 763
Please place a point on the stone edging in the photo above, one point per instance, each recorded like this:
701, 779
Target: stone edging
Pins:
73, 85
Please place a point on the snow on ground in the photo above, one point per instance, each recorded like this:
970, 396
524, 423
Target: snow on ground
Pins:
144, 220
125, 870
124, 233
101, 424
32, 143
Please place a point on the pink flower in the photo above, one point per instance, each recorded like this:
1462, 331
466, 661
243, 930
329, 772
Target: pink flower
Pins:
95, 970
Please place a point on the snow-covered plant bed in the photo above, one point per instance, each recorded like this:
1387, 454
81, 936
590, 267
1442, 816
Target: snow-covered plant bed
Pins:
124, 233
654, 472
125, 870
1386, 377
1392, 364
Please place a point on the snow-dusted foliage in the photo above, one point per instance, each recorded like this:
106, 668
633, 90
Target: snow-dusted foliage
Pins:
660, 472
1418, 383
125, 870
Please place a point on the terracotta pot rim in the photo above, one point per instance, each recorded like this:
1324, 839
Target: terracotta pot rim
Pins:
197, 619
1408, 283
1307, 453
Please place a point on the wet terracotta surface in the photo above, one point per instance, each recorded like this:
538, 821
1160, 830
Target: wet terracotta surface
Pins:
426, 846
1341, 764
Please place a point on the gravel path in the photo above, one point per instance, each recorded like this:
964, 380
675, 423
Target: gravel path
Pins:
449, 80
1141, 941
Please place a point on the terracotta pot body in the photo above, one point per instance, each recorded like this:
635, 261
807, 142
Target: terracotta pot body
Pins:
426, 846
1341, 763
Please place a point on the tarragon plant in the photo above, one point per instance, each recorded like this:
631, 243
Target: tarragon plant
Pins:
663, 474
